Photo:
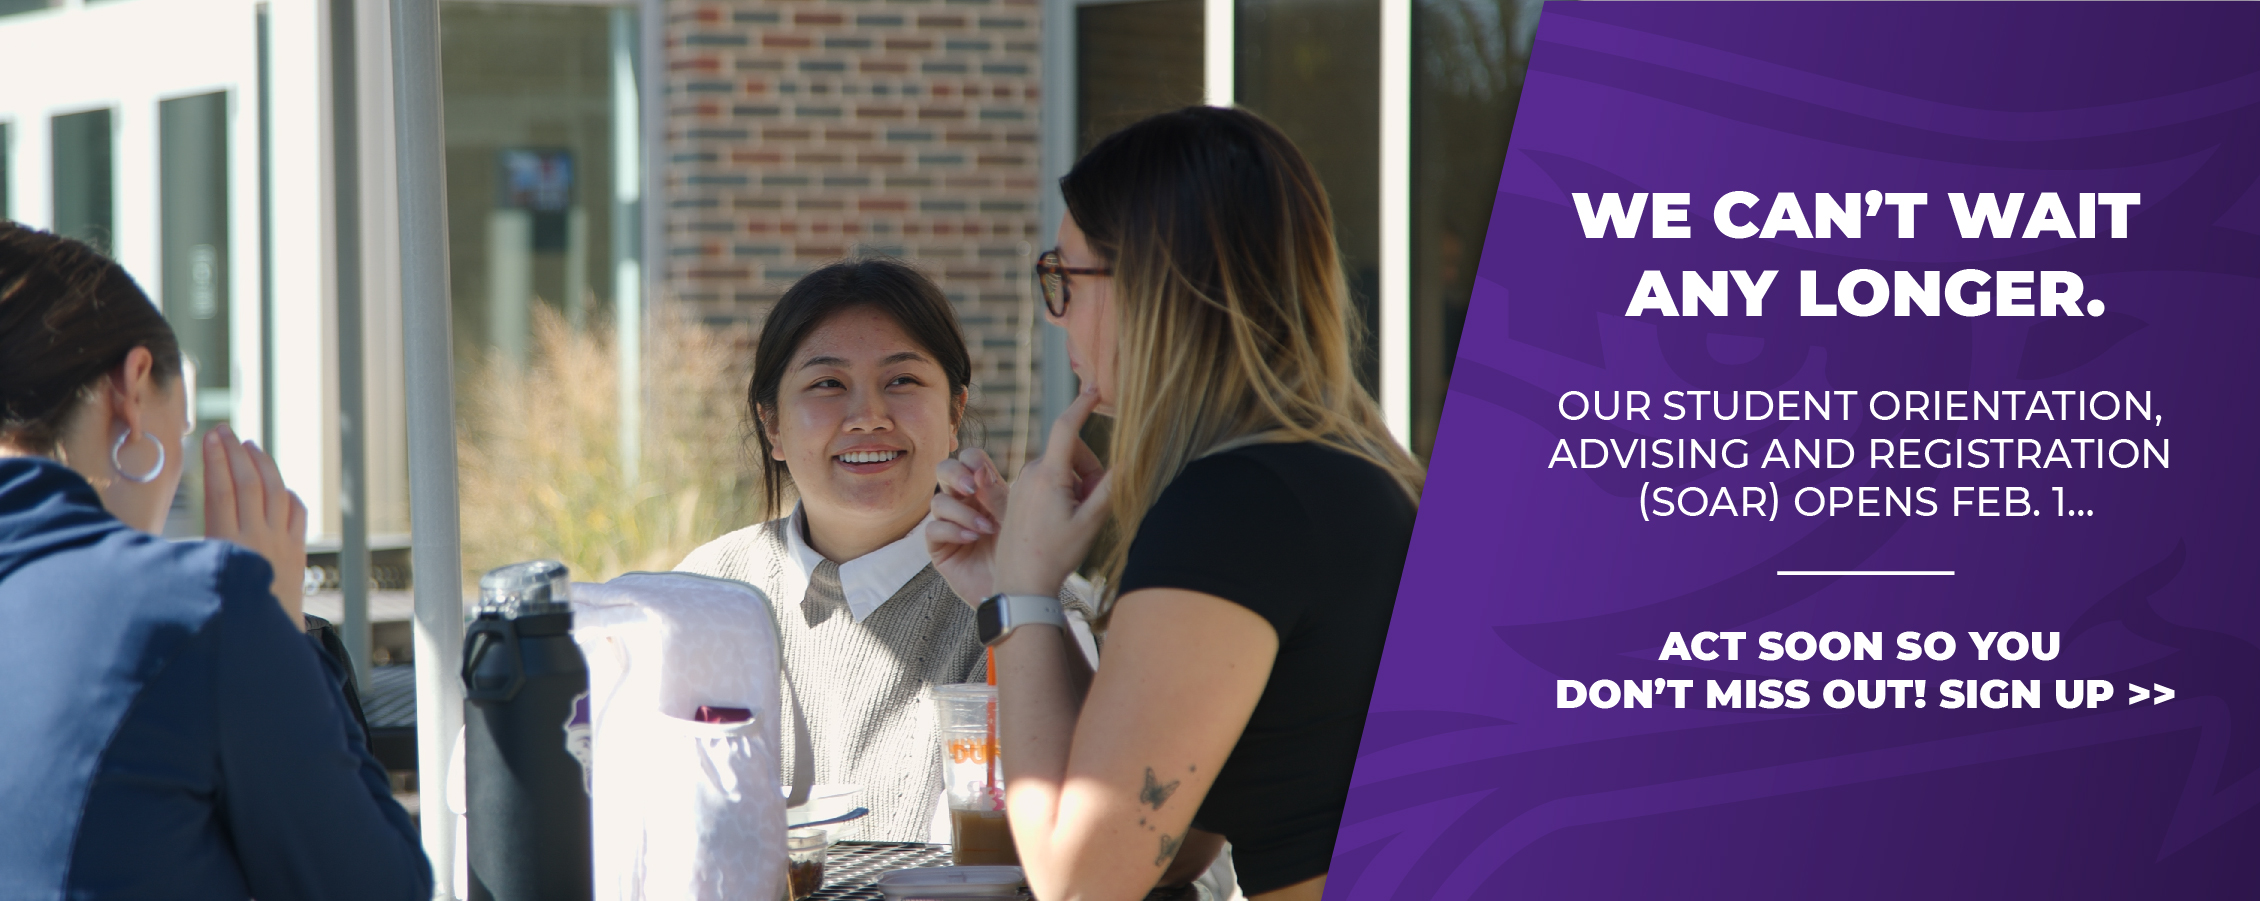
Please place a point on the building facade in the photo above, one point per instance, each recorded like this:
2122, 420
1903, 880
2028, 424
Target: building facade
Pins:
799, 132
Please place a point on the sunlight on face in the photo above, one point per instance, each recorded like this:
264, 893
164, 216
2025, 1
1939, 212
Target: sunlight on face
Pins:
863, 416
1090, 314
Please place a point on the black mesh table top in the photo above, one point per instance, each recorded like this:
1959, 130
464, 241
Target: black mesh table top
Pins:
389, 700
852, 869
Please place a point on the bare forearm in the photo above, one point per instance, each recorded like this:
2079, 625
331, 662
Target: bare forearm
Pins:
1042, 680
1102, 803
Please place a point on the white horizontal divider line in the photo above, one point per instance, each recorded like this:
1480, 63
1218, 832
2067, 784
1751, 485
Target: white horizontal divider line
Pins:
1863, 572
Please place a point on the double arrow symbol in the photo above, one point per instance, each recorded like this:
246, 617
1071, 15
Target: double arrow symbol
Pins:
2141, 694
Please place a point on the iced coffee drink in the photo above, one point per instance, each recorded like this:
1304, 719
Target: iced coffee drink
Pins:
980, 834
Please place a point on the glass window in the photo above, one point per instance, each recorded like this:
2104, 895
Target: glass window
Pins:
1313, 67
192, 278
192, 229
572, 445
6, 145
1469, 57
528, 98
83, 174
1133, 60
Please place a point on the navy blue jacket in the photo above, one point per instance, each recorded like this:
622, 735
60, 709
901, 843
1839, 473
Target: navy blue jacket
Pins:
165, 730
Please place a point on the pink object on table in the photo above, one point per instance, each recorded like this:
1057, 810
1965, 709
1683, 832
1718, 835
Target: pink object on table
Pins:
708, 714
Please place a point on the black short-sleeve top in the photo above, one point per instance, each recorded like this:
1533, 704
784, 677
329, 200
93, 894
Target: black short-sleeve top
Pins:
1313, 540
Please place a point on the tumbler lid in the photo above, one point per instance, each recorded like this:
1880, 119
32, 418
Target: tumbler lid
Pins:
526, 589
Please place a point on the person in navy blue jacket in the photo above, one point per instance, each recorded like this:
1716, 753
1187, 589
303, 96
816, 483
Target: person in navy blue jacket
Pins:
167, 730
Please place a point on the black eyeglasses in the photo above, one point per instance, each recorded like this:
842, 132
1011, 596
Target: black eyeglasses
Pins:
1051, 276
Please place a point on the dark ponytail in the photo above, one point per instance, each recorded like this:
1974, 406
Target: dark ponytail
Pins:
68, 316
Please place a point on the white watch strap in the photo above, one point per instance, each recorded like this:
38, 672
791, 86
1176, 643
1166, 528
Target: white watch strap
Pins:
1030, 609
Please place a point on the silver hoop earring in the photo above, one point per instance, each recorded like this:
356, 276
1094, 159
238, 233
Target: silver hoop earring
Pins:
144, 478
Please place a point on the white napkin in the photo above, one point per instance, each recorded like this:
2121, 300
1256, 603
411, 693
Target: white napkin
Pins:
682, 809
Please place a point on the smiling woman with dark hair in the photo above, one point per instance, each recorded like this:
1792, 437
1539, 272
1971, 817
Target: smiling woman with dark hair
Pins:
860, 381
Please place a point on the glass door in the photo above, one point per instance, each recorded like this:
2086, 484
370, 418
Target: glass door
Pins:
1134, 59
192, 234
83, 178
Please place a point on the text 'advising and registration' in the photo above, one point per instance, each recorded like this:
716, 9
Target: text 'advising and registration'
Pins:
1999, 466
1843, 485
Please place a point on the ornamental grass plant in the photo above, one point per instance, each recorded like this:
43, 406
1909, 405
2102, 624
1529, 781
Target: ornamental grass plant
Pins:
541, 457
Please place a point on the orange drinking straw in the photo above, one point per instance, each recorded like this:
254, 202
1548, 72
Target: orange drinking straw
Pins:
992, 743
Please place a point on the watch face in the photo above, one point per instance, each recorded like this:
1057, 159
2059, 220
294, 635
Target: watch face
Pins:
988, 620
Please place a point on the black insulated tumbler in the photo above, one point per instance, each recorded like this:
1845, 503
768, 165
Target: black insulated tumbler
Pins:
524, 682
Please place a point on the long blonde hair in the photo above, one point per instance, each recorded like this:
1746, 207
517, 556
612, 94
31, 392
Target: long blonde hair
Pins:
1231, 309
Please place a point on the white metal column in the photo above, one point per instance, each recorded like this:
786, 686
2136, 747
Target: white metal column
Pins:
627, 238
1057, 147
1396, 218
428, 351
1216, 51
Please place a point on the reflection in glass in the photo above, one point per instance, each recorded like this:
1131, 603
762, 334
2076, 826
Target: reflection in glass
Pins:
570, 445
1313, 67
1469, 57
1133, 60
528, 99
192, 231
192, 277
83, 173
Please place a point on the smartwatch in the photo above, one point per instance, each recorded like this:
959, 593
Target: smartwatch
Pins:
1001, 613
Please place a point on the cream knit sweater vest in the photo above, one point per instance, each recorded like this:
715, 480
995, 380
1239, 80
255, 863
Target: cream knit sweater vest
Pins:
862, 686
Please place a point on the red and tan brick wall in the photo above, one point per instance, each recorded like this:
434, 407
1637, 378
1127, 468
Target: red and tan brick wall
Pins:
803, 131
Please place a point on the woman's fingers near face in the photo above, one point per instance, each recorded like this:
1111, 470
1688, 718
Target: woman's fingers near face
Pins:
289, 554
993, 490
1086, 461
956, 478
977, 461
1067, 430
250, 489
246, 500
949, 527
1061, 449
278, 497
945, 537
962, 515
297, 521
219, 488
1067, 458
1087, 468
1093, 509
969, 472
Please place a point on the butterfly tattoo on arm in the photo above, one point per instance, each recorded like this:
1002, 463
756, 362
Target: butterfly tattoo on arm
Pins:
1155, 794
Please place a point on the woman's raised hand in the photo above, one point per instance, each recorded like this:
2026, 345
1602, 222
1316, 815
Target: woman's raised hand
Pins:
1062, 502
962, 537
245, 502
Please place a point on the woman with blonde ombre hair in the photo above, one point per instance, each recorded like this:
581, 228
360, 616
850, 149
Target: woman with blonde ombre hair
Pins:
1262, 514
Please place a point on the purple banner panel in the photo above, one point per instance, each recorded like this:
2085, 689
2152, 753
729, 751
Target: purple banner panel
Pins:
1848, 484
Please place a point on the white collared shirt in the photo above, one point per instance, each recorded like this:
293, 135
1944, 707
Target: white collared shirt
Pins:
869, 580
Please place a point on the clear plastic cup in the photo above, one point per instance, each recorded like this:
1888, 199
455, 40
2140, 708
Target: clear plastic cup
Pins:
804, 860
973, 776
